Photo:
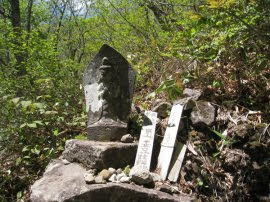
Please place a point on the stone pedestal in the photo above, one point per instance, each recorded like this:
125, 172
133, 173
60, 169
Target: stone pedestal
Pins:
106, 131
100, 155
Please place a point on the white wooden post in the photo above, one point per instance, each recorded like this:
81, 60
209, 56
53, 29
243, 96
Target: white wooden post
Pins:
177, 161
145, 146
167, 145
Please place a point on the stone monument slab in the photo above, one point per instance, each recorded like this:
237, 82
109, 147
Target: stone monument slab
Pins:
108, 82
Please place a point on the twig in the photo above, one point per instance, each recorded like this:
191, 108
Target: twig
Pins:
264, 131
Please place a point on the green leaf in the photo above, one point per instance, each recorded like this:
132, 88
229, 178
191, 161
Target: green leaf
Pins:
39, 105
219, 134
25, 104
32, 125
15, 100
38, 122
23, 125
25, 149
19, 195
18, 161
56, 132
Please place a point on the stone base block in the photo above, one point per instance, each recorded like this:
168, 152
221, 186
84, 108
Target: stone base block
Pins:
65, 183
100, 155
106, 131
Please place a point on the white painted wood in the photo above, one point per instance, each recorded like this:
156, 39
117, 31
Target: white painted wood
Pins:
177, 161
145, 146
167, 145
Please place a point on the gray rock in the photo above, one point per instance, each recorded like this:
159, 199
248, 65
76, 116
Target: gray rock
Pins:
125, 179
127, 138
65, 183
105, 174
119, 176
165, 188
100, 155
113, 178
203, 114
92, 171
100, 180
66, 162
156, 177
112, 170
192, 93
162, 109
188, 103
109, 82
140, 176
89, 178
119, 171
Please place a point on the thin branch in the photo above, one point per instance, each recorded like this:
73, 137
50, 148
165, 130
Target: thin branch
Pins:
125, 19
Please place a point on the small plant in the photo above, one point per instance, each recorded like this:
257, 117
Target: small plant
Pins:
172, 87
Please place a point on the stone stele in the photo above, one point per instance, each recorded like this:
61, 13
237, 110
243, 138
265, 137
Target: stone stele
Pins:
109, 82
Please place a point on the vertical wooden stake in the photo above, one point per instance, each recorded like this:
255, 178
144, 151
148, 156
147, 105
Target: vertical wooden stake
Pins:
167, 145
145, 147
177, 161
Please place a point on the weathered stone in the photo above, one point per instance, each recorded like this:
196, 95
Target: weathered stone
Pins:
194, 94
65, 183
119, 171
105, 174
66, 162
203, 114
165, 188
89, 178
100, 155
187, 102
100, 180
162, 109
125, 179
156, 177
119, 176
109, 85
112, 170
140, 176
92, 171
113, 178
127, 138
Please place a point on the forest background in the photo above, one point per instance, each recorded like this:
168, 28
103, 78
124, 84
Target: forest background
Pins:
219, 46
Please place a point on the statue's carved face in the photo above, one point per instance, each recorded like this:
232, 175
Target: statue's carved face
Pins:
105, 69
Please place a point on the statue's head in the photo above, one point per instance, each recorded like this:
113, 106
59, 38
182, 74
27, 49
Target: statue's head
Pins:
105, 69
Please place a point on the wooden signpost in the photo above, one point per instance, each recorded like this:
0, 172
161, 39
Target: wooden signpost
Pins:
167, 145
145, 147
177, 161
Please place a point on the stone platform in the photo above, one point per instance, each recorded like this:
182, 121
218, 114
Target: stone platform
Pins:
65, 183
100, 155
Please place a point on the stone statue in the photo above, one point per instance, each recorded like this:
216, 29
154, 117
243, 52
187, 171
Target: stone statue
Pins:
109, 84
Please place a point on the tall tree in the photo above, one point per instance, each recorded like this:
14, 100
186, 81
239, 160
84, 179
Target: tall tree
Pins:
15, 17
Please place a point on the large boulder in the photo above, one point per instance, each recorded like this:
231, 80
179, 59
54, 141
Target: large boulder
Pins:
100, 155
65, 183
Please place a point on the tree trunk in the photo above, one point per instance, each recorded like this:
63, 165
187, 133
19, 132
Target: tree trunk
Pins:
29, 15
16, 24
